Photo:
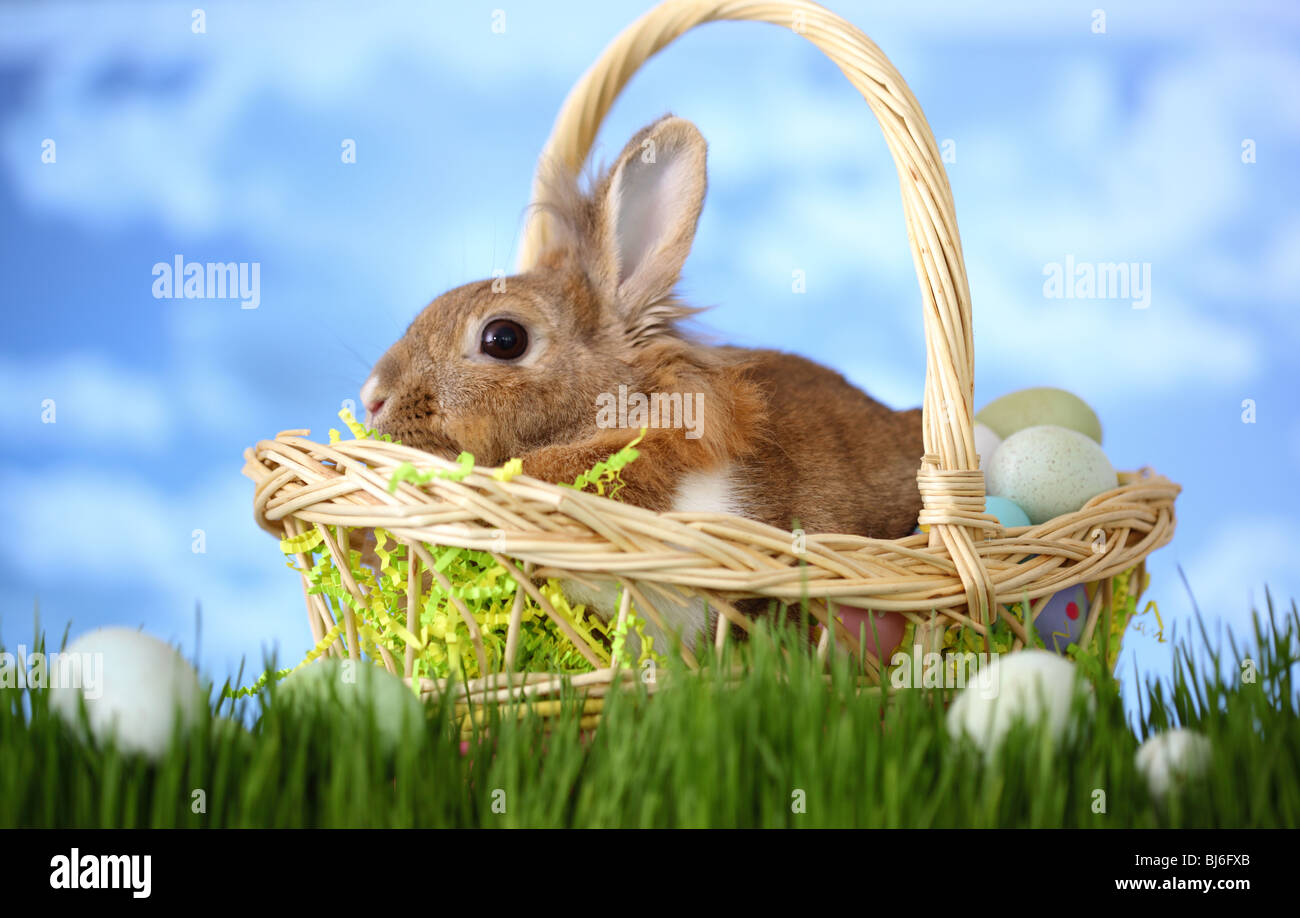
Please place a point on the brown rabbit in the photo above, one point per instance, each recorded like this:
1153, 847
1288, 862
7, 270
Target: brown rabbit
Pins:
532, 368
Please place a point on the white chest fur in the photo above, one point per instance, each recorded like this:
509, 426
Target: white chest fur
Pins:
713, 491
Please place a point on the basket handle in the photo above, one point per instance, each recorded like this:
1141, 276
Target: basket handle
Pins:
951, 484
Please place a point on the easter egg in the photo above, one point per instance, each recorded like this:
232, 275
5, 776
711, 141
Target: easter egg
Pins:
1061, 621
1037, 407
1172, 758
986, 443
1048, 471
137, 689
1007, 512
352, 690
1030, 686
887, 626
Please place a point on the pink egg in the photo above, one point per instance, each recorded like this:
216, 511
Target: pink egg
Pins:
888, 626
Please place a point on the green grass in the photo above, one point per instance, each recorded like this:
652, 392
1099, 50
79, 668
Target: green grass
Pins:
695, 754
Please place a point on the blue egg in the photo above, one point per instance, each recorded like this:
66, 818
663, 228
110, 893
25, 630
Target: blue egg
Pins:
1061, 622
1008, 514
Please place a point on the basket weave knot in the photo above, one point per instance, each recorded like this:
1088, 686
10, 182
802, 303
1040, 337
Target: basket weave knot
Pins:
953, 497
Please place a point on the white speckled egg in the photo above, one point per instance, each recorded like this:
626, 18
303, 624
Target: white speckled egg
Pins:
134, 686
1049, 471
1032, 686
986, 443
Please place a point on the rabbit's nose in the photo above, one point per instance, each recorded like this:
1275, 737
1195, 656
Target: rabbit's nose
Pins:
372, 396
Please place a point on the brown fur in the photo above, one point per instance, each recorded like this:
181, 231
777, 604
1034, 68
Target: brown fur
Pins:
806, 448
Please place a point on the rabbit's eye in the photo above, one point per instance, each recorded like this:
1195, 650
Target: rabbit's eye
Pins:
504, 339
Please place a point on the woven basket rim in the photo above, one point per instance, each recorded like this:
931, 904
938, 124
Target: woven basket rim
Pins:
556, 529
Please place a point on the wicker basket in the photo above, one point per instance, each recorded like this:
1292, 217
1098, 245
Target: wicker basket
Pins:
963, 572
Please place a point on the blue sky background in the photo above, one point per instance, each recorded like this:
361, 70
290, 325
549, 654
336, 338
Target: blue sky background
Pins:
225, 146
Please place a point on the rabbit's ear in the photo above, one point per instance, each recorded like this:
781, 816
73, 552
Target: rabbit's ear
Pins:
647, 209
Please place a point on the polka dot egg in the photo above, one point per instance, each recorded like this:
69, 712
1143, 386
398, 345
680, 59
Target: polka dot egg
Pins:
1061, 621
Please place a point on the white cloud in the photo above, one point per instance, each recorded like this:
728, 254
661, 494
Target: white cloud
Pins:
91, 530
110, 408
1229, 572
126, 529
1117, 168
109, 165
95, 402
1148, 170
1101, 346
1266, 276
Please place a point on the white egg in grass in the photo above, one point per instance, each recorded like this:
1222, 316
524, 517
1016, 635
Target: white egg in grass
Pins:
1049, 471
137, 689
1030, 685
986, 443
351, 688
1172, 758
